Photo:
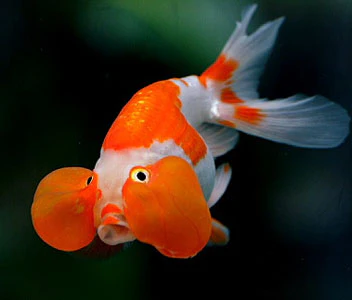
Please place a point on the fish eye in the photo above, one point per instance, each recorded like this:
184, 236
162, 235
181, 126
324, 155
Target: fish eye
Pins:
89, 180
140, 175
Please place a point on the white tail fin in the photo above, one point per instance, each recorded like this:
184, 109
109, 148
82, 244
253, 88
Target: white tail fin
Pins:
313, 122
252, 53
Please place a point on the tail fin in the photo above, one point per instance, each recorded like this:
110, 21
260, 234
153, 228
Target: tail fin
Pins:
242, 59
313, 122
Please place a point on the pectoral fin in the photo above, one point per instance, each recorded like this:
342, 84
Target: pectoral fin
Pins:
220, 234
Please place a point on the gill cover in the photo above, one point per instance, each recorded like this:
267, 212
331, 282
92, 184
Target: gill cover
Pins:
165, 207
62, 210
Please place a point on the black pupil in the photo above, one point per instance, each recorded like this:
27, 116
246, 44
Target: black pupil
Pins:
89, 180
141, 176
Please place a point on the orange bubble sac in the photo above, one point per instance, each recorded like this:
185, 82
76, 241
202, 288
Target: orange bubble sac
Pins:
165, 207
62, 210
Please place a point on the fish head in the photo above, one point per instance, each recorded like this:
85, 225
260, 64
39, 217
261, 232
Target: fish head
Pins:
63, 208
164, 206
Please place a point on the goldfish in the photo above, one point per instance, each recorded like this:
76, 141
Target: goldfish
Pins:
156, 178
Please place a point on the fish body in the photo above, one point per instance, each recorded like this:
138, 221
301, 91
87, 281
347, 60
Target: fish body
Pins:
138, 137
156, 178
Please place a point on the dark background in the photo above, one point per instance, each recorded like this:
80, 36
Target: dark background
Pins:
68, 67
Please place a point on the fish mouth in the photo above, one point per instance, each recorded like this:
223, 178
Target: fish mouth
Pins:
114, 230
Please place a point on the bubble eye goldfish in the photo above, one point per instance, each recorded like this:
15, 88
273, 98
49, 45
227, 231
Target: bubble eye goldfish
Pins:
156, 180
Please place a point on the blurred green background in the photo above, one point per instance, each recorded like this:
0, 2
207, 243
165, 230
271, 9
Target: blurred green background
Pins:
68, 67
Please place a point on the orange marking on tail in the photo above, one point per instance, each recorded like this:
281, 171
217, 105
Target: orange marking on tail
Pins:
249, 114
154, 114
229, 96
110, 208
221, 70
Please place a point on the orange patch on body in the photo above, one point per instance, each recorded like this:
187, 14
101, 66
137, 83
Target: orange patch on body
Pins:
229, 96
249, 114
221, 70
154, 114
